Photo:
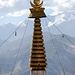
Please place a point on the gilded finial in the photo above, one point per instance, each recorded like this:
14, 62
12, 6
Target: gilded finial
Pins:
37, 11
37, 4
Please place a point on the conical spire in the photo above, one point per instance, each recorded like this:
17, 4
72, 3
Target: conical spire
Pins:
38, 60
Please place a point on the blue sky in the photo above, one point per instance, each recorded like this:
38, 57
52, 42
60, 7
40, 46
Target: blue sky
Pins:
14, 11
15, 20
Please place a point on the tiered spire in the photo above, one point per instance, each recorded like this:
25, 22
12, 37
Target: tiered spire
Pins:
37, 60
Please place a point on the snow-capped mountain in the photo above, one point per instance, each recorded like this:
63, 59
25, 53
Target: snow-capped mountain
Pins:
65, 16
7, 29
65, 22
8, 52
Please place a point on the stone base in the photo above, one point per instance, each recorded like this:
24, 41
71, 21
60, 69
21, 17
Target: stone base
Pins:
38, 72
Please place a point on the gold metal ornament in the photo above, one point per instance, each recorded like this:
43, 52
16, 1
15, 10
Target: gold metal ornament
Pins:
36, 6
37, 11
37, 57
36, 2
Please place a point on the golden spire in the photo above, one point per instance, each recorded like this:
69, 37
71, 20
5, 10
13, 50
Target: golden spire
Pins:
37, 57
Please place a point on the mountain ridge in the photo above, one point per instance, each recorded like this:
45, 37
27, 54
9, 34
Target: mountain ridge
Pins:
66, 53
64, 21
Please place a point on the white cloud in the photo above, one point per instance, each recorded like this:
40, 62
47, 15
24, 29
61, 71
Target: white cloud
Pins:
15, 8
18, 13
1, 17
7, 3
60, 5
13, 5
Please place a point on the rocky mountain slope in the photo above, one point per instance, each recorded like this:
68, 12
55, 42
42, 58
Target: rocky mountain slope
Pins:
65, 49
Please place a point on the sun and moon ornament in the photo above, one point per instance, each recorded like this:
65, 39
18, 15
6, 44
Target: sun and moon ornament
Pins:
37, 4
